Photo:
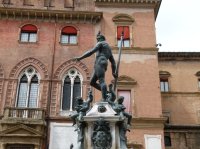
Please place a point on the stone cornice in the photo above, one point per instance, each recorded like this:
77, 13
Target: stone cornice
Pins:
167, 94
50, 15
131, 3
178, 56
136, 50
148, 123
171, 128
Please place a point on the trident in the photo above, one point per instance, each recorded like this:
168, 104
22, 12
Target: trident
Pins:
119, 57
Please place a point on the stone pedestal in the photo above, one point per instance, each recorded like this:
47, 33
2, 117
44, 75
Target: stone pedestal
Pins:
103, 111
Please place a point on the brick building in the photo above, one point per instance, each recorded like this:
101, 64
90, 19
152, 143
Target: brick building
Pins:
180, 84
38, 79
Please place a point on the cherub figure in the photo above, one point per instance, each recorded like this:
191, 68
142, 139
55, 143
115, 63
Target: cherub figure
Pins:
123, 126
81, 107
120, 109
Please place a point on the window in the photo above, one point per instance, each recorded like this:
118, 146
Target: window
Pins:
69, 35
28, 33
164, 81
72, 88
125, 30
127, 99
167, 139
28, 89
164, 85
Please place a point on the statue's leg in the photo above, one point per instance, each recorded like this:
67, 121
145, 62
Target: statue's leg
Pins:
100, 73
93, 81
73, 117
103, 88
129, 116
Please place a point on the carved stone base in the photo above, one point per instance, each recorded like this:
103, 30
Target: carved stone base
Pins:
102, 117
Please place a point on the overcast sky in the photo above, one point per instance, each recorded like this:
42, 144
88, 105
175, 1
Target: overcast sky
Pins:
178, 25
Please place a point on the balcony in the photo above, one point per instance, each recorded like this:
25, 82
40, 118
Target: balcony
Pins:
23, 115
24, 125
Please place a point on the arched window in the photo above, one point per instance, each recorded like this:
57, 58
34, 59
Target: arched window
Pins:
28, 33
68, 35
28, 89
72, 88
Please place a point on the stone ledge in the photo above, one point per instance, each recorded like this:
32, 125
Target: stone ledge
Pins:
50, 15
148, 123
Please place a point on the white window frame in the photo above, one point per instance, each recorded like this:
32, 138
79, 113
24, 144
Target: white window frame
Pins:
29, 77
72, 78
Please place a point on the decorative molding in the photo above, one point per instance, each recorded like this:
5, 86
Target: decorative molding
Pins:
69, 64
164, 73
176, 128
125, 81
1, 86
178, 56
50, 15
27, 62
44, 94
9, 93
172, 94
155, 4
148, 123
27, 131
58, 75
123, 18
136, 50
55, 98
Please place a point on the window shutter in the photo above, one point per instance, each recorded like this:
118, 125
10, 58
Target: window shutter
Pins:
124, 29
69, 30
119, 31
29, 28
126, 32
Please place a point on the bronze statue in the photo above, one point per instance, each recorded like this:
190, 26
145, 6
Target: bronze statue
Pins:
123, 125
120, 109
103, 54
81, 109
